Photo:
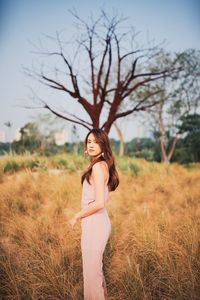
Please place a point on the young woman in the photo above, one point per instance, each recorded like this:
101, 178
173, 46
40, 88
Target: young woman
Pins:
100, 178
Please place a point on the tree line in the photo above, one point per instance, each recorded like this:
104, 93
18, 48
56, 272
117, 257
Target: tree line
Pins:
43, 143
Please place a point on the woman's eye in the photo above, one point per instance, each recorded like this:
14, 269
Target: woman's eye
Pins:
92, 142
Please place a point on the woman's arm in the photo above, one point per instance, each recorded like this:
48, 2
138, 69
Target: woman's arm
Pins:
98, 178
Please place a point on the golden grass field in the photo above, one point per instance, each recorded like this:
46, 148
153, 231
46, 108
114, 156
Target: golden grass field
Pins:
153, 251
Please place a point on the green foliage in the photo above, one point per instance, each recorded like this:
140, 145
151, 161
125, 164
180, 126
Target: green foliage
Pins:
190, 124
11, 166
4, 147
71, 163
140, 148
129, 165
134, 168
31, 164
15, 163
68, 162
146, 154
189, 147
1, 173
192, 166
59, 163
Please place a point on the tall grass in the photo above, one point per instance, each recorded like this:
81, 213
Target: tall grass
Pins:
154, 248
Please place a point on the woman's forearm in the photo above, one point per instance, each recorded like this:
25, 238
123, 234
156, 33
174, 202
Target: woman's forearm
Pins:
88, 210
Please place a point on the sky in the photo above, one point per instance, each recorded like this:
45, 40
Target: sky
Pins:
24, 23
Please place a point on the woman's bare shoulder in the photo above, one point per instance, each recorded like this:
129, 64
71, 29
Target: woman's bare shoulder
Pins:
100, 165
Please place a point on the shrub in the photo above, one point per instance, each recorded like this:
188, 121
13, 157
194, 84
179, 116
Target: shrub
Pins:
134, 168
11, 166
31, 164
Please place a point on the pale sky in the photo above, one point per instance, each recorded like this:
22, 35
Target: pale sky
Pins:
26, 21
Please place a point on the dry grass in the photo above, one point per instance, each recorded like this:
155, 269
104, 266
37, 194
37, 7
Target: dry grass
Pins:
153, 251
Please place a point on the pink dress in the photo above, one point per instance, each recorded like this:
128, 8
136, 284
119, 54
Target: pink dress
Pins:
96, 229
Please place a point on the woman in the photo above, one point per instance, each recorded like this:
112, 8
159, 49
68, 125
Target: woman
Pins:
100, 178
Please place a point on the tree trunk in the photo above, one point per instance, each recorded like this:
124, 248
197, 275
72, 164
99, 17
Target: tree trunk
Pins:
165, 158
121, 139
172, 148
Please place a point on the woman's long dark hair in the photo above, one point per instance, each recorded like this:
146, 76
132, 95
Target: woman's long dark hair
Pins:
103, 141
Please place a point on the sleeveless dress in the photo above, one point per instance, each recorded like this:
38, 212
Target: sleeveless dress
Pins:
96, 229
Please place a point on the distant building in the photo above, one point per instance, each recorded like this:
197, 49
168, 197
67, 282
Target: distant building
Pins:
17, 135
2, 136
61, 137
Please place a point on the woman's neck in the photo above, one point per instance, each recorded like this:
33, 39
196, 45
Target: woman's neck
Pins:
95, 157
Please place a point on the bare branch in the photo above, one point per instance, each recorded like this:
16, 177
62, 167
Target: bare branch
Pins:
140, 83
138, 107
83, 121
102, 40
63, 117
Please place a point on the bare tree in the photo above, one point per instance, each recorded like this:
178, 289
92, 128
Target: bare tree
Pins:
180, 96
102, 47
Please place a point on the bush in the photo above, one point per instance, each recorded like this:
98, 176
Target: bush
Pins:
134, 168
128, 166
31, 164
1, 173
11, 166
60, 163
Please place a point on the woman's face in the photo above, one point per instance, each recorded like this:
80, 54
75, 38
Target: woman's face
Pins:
93, 148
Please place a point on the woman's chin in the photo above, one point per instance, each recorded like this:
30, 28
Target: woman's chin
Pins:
94, 155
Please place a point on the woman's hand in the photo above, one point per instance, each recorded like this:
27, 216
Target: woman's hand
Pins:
73, 221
